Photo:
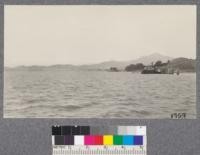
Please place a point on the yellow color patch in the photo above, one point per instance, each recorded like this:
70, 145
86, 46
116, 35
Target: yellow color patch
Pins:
108, 140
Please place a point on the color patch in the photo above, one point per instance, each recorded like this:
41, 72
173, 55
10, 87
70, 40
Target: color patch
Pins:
85, 130
131, 130
121, 130
66, 130
53, 140
117, 140
76, 130
78, 140
89, 140
128, 140
98, 140
69, 140
108, 140
138, 140
56, 130
141, 130
59, 140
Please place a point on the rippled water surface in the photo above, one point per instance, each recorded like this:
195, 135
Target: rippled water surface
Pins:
98, 94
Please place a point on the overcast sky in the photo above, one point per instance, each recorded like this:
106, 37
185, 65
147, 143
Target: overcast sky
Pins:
46, 35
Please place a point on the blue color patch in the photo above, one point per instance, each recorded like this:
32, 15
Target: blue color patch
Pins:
138, 140
128, 140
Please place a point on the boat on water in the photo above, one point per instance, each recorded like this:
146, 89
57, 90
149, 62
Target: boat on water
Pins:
151, 70
113, 69
159, 70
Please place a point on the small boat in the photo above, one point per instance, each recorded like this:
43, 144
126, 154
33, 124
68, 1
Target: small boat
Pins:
151, 70
159, 70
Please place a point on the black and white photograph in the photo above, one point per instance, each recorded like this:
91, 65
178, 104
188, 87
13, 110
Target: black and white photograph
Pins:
99, 61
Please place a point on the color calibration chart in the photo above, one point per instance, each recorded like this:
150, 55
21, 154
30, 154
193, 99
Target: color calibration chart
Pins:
99, 140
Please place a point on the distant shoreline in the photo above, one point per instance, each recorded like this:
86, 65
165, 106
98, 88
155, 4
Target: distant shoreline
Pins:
180, 63
183, 64
92, 70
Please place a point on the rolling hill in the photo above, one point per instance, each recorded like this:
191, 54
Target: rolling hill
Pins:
183, 64
146, 60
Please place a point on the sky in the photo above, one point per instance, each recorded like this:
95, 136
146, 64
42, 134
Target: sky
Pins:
87, 34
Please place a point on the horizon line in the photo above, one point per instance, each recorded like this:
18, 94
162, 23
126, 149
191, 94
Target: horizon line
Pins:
78, 65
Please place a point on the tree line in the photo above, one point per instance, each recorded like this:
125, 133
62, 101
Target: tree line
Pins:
140, 66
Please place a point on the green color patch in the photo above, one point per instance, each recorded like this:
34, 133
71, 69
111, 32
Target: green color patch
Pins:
118, 140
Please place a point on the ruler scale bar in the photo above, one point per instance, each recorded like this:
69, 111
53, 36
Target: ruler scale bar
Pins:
99, 150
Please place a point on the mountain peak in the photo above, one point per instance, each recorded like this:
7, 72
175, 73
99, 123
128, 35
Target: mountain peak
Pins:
156, 54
